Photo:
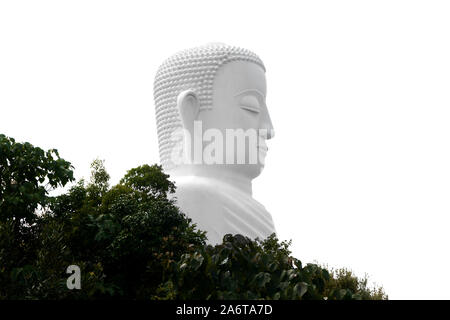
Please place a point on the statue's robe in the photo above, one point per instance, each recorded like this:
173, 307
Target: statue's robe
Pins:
220, 208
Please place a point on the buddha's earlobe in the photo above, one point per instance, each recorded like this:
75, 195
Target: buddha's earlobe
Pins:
188, 105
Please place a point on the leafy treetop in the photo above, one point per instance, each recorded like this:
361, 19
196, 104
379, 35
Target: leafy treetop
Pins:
27, 174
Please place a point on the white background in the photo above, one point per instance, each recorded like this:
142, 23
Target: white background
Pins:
358, 174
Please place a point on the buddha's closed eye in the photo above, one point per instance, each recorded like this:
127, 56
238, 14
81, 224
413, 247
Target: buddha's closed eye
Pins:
250, 103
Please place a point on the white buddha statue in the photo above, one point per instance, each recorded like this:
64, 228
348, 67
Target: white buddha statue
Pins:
212, 123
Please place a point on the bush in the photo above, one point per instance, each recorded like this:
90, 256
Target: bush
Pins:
243, 269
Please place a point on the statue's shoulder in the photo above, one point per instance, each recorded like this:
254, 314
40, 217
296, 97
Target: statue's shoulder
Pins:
192, 184
200, 201
197, 192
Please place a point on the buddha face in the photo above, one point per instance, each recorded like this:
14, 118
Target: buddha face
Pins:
239, 105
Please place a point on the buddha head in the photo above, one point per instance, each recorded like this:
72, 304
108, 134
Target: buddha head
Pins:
211, 111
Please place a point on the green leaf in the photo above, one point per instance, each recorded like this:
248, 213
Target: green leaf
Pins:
300, 289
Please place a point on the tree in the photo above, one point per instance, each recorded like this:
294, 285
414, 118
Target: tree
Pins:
27, 174
99, 182
150, 180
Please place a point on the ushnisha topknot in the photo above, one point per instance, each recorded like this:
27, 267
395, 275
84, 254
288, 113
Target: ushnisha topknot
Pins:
190, 69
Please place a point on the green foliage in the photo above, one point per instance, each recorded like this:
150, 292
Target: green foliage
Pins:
149, 180
27, 174
243, 269
344, 278
99, 182
132, 242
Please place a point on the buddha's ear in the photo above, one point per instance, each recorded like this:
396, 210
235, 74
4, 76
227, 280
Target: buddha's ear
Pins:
188, 105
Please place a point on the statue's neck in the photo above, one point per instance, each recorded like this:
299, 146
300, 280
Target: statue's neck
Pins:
223, 175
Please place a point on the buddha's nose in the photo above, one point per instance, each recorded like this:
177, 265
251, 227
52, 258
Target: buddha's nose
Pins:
267, 126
